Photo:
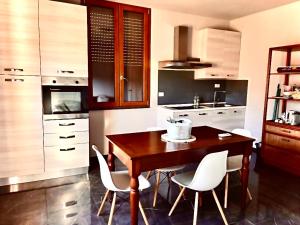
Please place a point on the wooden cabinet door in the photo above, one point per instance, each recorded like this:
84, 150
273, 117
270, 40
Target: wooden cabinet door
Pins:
63, 39
19, 37
134, 30
21, 128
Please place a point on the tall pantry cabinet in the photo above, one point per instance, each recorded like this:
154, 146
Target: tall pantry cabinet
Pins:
21, 137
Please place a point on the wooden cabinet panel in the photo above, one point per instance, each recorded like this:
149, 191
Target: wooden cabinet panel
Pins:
283, 131
21, 131
283, 142
222, 49
63, 39
66, 157
19, 37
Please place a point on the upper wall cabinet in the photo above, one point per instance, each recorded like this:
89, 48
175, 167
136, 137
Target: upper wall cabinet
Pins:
222, 49
19, 37
63, 39
119, 55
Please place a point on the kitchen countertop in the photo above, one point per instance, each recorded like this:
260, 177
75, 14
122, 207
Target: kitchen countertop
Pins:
203, 106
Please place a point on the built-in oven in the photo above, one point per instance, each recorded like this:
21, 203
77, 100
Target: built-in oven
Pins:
64, 97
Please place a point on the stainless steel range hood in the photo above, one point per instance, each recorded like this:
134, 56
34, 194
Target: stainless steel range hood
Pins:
181, 59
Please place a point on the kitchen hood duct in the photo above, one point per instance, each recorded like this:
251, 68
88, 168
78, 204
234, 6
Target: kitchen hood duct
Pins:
181, 60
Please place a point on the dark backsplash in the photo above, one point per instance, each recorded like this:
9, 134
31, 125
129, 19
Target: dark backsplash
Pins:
180, 87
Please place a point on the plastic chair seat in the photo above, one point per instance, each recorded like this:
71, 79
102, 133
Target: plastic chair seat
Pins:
183, 179
170, 169
121, 179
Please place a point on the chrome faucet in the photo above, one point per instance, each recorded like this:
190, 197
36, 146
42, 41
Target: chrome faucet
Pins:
216, 99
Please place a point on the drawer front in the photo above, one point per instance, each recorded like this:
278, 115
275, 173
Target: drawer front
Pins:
66, 157
66, 139
62, 126
283, 131
283, 142
202, 118
68, 196
184, 114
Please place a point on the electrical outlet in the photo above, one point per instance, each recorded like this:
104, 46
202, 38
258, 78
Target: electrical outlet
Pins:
161, 94
217, 85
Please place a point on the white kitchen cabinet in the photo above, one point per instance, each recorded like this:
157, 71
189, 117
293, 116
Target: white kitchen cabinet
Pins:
222, 118
19, 37
63, 39
222, 49
66, 144
21, 127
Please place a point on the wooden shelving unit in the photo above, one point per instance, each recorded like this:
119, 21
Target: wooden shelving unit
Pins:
281, 142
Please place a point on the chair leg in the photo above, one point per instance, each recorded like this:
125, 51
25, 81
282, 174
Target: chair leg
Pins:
226, 190
156, 188
176, 202
143, 214
219, 207
112, 209
196, 208
102, 203
248, 192
148, 174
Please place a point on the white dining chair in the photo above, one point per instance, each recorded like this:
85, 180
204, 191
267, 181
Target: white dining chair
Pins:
168, 171
209, 174
117, 181
234, 163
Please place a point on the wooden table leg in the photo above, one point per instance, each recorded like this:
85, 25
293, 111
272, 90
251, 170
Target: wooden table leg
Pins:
245, 175
134, 200
111, 157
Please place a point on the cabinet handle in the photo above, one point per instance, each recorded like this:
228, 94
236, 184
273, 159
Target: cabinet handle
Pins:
8, 80
67, 149
67, 137
13, 69
286, 140
71, 215
214, 75
183, 115
17, 69
66, 124
235, 111
21, 80
65, 71
220, 113
202, 114
286, 131
230, 75
70, 203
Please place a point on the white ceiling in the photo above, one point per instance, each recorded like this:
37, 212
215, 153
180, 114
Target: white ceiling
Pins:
223, 9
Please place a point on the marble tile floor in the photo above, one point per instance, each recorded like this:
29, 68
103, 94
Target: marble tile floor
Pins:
75, 201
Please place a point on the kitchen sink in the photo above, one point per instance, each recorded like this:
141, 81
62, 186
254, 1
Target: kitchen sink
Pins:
186, 107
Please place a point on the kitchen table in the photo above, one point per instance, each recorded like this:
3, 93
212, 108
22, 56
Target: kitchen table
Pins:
146, 151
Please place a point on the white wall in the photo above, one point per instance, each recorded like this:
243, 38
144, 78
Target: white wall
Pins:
104, 122
260, 31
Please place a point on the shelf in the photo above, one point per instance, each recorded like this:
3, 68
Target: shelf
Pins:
284, 99
283, 125
287, 48
286, 73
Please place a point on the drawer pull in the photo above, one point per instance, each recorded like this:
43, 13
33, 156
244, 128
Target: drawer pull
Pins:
66, 124
66, 71
183, 115
67, 149
13, 69
202, 114
235, 111
8, 80
21, 80
70, 203
220, 113
286, 140
71, 215
67, 137
286, 131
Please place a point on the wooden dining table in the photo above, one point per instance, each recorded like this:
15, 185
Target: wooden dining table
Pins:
145, 151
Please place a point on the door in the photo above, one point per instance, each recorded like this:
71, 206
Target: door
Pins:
19, 37
134, 28
21, 131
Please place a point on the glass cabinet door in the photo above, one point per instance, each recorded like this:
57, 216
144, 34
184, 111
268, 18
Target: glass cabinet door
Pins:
103, 69
134, 55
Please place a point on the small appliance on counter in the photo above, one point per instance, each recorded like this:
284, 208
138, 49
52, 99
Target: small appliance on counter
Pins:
293, 117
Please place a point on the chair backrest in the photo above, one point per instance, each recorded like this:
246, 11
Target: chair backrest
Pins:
243, 132
104, 170
210, 172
